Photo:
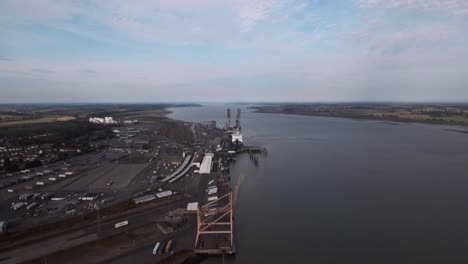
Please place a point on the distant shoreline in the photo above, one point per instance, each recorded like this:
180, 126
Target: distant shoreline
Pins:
389, 120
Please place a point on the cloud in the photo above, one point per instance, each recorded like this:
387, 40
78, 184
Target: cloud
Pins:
387, 28
455, 7
196, 29
283, 49
251, 12
43, 71
409, 37
322, 77
42, 8
146, 17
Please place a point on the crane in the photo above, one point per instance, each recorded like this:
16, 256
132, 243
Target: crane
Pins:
215, 222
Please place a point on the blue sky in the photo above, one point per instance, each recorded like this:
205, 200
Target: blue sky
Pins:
238, 50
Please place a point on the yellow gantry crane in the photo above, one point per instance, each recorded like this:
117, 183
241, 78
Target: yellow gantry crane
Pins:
215, 223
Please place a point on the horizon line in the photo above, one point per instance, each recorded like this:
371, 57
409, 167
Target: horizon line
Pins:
239, 102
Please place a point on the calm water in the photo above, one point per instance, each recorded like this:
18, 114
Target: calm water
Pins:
343, 191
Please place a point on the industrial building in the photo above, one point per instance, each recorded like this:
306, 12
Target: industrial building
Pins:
207, 164
106, 120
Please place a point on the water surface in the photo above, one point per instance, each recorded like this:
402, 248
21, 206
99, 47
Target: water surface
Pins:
348, 191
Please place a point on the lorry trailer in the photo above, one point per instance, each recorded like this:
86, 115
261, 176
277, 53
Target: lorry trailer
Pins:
156, 247
168, 247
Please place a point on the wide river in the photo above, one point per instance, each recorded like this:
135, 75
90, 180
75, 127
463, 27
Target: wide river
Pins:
335, 190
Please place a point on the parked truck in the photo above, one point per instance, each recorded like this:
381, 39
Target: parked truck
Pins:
156, 247
168, 247
3, 227
32, 205
16, 206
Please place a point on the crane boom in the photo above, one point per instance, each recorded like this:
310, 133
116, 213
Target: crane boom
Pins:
237, 189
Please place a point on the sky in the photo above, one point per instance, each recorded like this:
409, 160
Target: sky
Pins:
237, 50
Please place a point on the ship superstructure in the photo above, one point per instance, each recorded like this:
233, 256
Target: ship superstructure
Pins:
235, 131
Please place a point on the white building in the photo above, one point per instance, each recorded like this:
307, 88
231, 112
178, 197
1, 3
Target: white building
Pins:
206, 164
106, 120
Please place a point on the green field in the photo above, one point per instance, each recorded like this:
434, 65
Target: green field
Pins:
457, 119
33, 121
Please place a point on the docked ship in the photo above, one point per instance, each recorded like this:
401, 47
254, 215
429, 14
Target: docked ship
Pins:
235, 131
236, 137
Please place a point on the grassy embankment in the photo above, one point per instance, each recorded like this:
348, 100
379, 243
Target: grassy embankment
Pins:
42, 120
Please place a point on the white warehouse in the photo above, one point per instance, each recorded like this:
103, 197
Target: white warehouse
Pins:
207, 163
105, 120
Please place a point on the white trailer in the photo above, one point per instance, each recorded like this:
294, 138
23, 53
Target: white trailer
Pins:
212, 198
164, 194
32, 205
156, 247
17, 206
212, 191
121, 224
